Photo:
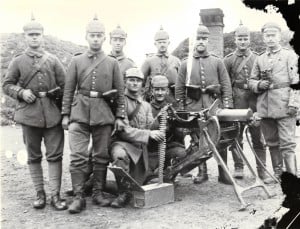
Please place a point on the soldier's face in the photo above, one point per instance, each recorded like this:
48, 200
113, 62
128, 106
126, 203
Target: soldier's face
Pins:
133, 84
34, 40
117, 44
242, 42
272, 38
162, 45
160, 93
95, 40
201, 43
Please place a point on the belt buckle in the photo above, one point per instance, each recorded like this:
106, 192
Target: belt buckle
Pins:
246, 86
93, 94
42, 94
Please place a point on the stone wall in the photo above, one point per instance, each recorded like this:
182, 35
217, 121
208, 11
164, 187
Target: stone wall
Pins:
213, 19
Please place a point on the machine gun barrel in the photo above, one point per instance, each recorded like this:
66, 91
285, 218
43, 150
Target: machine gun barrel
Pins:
234, 115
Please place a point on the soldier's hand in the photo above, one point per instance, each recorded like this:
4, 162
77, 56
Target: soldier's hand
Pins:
263, 84
28, 96
256, 119
65, 122
292, 111
157, 135
120, 124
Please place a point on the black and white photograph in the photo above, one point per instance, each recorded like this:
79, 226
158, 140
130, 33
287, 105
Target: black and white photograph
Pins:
150, 114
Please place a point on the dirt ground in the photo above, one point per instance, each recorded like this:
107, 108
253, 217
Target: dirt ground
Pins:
210, 205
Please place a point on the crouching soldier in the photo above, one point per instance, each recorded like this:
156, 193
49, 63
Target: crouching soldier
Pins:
129, 148
175, 146
33, 78
87, 114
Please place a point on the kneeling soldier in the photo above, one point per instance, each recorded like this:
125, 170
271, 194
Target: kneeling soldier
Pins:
175, 146
129, 149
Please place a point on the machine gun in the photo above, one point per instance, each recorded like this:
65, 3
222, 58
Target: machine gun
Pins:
210, 129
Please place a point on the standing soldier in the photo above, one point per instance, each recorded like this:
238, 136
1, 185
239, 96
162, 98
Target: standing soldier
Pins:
36, 78
88, 114
277, 104
162, 63
239, 65
118, 41
198, 87
129, 150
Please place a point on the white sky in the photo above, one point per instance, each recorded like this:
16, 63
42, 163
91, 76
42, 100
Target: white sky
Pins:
66, 19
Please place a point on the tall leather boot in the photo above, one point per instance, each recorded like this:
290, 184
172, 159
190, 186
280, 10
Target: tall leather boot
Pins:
122, 199
202, 174
238, 162
277, 161
260, 170
78, 203
55, 173
36, 173
99, 172
290, 163
223, 177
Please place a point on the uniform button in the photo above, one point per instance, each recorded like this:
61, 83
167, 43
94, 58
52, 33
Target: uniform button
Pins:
94, 72
201, 68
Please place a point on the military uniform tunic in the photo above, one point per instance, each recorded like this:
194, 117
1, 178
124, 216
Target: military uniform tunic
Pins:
207, 69
43, 112
131, 144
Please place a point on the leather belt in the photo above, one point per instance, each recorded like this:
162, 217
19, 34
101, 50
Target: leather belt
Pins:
278, 85
91, 94
241, 85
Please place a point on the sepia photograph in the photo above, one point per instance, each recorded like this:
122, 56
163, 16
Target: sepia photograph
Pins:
149, 114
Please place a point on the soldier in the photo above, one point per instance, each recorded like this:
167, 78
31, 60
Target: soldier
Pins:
198, 87
277, 104
87, 114
239, 65
129, 150
118, 41
175, 146
35, 79
162, 63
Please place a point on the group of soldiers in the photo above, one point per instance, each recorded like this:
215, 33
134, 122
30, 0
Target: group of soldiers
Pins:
109, 102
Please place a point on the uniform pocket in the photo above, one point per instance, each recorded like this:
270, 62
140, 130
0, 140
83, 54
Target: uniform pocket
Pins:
21, 104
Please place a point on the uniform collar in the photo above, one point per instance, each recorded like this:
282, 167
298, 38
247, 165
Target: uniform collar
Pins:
166, 54
121, 56
35, 53
203, 54
158, 105
137, 98
239, 53
268, 51
91, 53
